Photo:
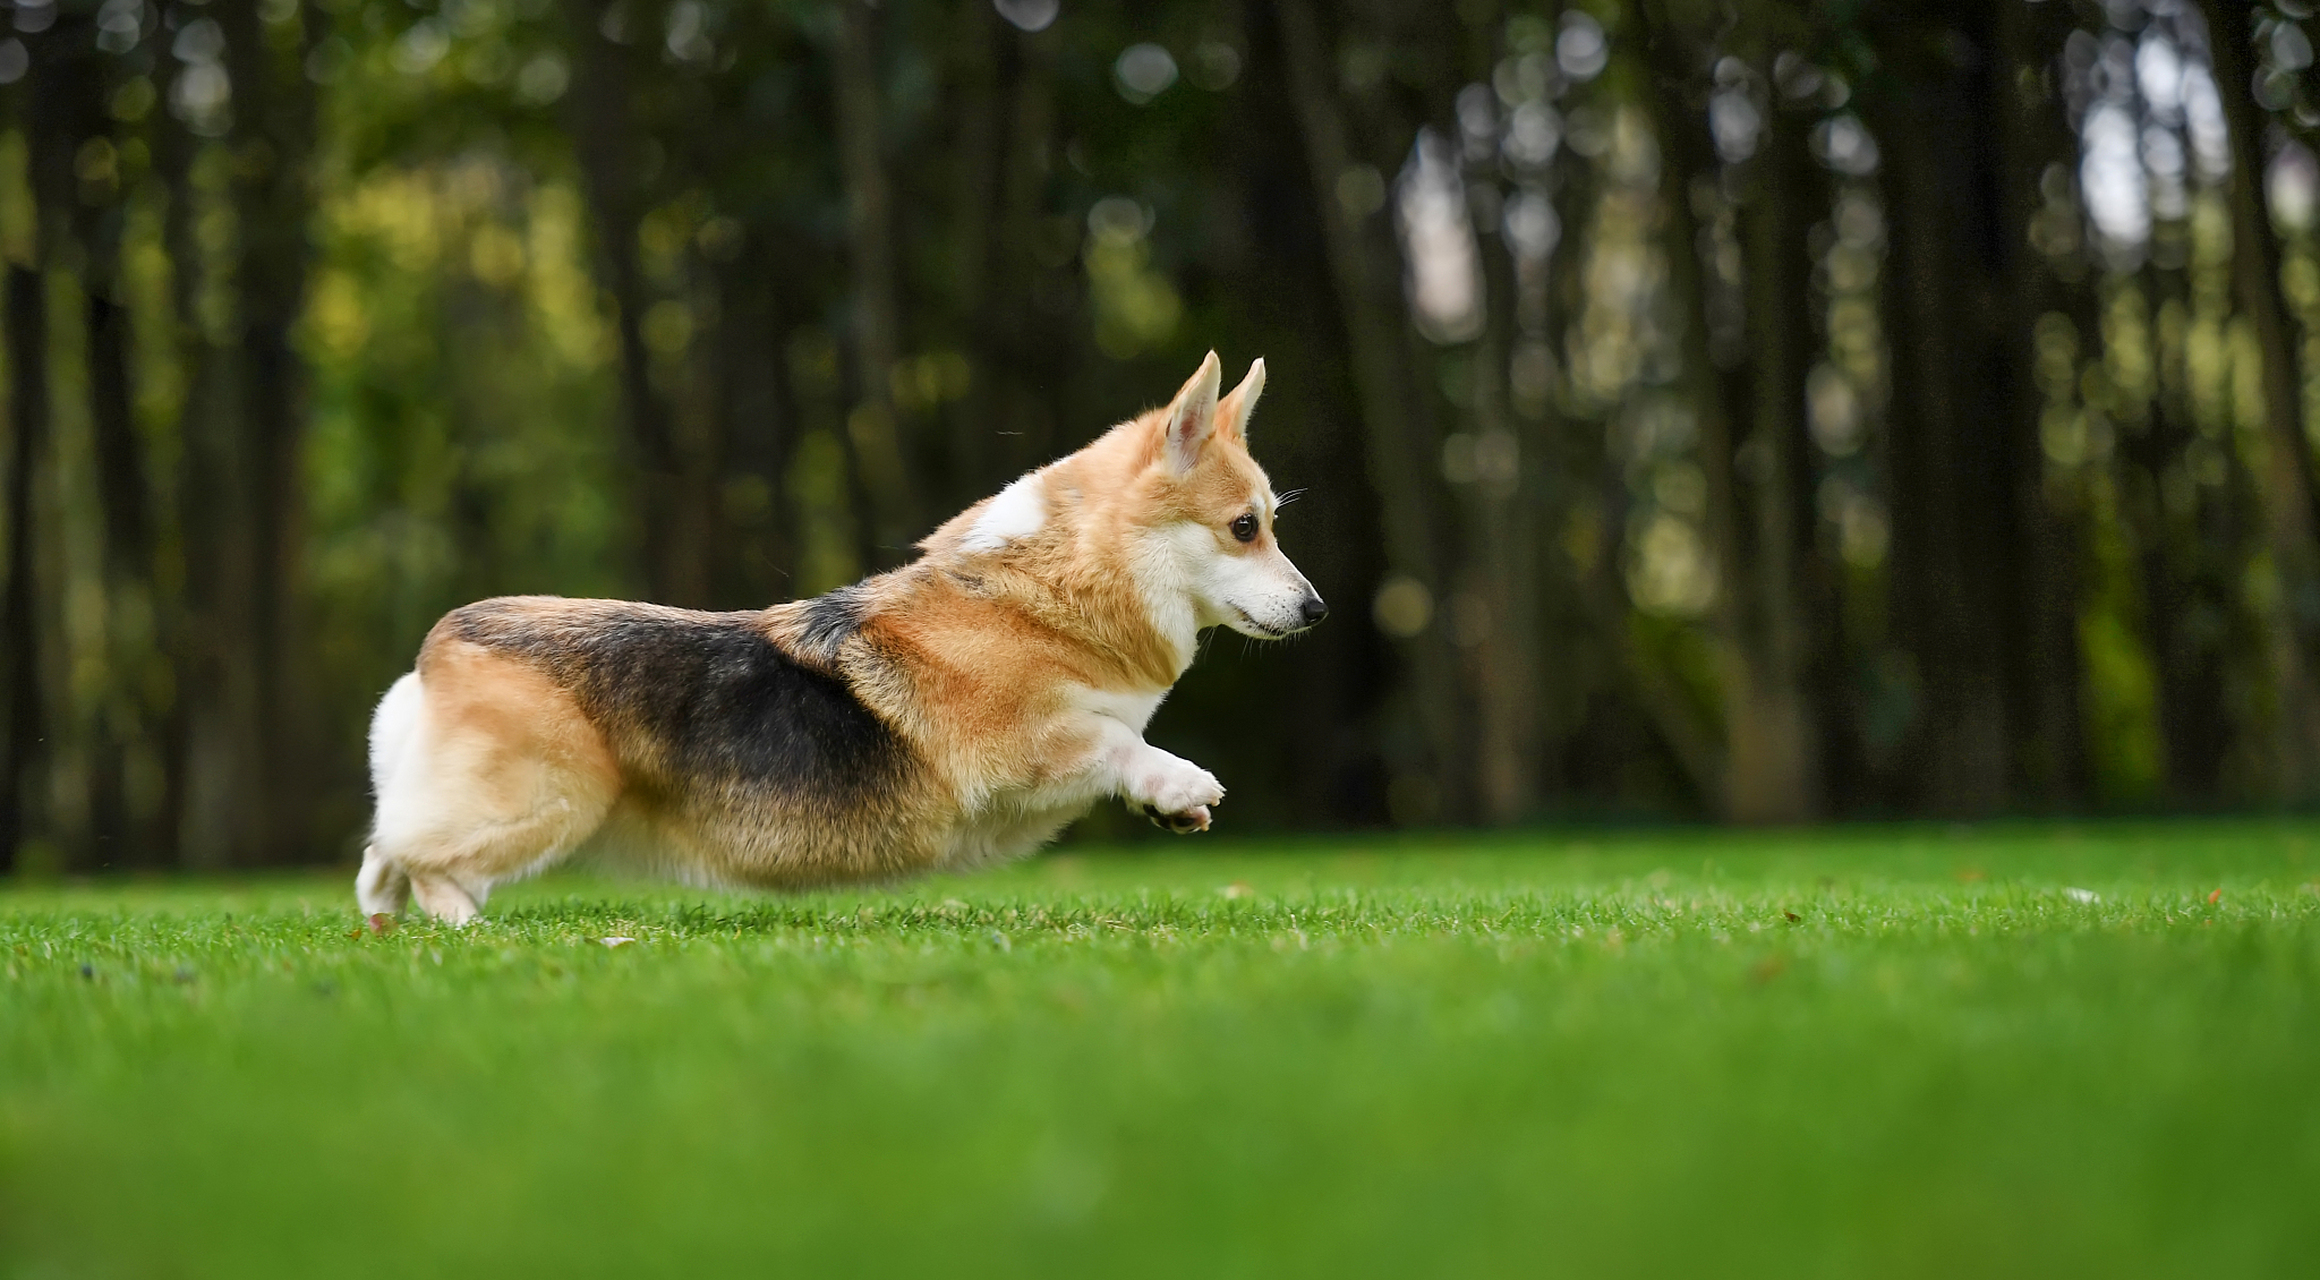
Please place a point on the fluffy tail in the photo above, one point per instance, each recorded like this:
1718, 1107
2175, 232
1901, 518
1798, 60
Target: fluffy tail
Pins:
382, 886
392, 727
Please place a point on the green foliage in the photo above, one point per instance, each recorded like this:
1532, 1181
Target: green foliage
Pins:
1902, 1051
462, 444
1691, 425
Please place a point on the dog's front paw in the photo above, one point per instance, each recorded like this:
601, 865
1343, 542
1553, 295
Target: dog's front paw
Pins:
1184, 823
1181, 789
1177, 795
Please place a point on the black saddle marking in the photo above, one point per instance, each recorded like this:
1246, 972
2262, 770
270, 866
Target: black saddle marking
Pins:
717, 698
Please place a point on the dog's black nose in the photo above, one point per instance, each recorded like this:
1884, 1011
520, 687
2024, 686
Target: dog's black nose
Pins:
1313, 610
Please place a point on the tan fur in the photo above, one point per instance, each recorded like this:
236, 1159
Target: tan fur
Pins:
1007, 674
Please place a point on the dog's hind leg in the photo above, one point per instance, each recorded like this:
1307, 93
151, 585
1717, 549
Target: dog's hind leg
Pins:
452, 873
502, 776
442, 898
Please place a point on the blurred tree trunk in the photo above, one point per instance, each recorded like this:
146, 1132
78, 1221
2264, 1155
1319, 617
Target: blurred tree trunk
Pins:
1759, 536
1504, 501
1691, 740
249, 739
754, 556
191, 651
1500, 577
609, 147
2049, 736
1401, 457
1597, 548
1952, 458
871, 427
274, 128
214, 740
980, 65
21, 754
63, 103
1308, 435
88, 208
1562, 464
1790, 616
2291, 510
1005, 426
124, 837
1504, 571
2186, 587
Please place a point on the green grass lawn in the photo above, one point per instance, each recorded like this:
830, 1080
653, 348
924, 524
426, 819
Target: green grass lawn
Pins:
1912, 1051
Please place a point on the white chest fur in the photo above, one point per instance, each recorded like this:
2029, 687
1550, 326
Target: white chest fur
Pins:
1131, 709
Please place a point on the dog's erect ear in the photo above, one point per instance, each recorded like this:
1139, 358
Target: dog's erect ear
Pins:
1232, 412
1191, 418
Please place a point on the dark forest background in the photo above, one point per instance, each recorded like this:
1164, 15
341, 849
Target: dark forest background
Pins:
1730, 409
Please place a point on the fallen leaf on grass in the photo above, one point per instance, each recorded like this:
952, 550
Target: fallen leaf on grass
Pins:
2215, 897
1792, 916
616, 941
381, 923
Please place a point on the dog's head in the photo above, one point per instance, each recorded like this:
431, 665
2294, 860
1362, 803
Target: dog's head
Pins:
1207, 510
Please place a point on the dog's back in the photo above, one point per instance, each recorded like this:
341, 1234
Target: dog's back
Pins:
685, 699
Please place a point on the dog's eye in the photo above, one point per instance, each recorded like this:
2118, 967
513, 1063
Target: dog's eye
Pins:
1244, 527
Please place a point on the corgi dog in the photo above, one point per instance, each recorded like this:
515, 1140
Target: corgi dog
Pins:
953, 713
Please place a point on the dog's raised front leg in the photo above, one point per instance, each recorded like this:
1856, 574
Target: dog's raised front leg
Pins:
1175, 792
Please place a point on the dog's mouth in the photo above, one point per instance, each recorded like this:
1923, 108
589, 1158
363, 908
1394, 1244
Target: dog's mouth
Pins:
1270, 633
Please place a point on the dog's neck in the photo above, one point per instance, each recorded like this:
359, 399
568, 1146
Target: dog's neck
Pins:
1112, 589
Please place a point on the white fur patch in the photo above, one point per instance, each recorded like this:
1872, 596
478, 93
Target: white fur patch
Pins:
392, 729
1161, 564
1255, 593
1017, 512
1131, 709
